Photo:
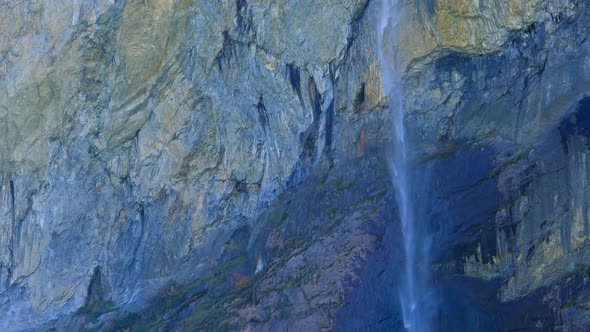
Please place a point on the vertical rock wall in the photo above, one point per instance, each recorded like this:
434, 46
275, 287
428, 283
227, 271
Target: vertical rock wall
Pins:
138, 137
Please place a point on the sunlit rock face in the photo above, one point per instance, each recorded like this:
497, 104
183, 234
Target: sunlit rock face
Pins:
199, 164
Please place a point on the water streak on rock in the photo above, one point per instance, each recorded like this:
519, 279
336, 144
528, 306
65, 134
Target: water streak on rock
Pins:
412, 289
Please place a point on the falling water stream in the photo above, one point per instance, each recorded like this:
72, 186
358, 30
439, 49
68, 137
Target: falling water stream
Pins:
411, 291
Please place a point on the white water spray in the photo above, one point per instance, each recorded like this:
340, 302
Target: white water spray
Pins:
412, 294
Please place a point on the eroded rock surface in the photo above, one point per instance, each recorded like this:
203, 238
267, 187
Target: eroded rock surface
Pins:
137, 135
194, 164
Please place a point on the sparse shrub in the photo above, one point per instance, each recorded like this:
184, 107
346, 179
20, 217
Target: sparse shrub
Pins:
276, 219
171, 290
95, 310
241, 281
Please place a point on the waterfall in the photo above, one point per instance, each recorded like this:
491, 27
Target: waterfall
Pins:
412, 292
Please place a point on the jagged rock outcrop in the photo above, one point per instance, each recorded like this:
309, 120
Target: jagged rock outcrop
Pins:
196, 164
138, 135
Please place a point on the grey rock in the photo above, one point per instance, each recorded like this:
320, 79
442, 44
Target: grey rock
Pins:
153, 152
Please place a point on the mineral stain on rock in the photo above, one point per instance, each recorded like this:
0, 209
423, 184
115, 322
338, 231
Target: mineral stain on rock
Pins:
221, 165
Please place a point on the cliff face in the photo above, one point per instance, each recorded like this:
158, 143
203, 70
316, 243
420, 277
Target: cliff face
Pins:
499, 115
514, 120
177, 163
139, 135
